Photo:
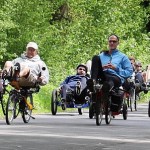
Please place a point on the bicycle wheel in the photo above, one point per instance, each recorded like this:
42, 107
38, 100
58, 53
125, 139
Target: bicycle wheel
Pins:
3, 103
80, 111
125, 111
108, 112
135, 103
54, 100
99, 112
130, 103
149, 109
26, 111
91, 110
11, 108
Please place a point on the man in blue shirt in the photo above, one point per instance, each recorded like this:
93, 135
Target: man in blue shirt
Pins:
75, 84
112, 67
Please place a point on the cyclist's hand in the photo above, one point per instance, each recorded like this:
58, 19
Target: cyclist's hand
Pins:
39, 79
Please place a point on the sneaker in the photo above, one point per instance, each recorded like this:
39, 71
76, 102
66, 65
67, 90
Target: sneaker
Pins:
7, 74
78, 88
144, 88
16, 71
63, 104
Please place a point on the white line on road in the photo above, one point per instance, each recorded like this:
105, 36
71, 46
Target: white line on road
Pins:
76, 137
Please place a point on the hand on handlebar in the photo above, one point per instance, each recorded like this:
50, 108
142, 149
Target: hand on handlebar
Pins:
109, 66
39, 79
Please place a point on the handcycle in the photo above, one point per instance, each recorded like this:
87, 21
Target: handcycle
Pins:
70, 102
20, 101
115, 105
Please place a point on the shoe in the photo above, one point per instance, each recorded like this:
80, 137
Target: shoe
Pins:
63, 105
6, 75
78, 88
16, 71
69, 92
144, 88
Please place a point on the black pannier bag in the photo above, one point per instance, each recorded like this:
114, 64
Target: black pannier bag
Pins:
116, 100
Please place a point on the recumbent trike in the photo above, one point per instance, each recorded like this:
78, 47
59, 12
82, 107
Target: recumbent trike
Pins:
73, 100
115, 105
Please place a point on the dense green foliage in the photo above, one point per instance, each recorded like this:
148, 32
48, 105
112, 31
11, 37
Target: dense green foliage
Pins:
74, 33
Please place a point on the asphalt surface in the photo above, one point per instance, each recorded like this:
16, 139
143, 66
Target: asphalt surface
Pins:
71, 131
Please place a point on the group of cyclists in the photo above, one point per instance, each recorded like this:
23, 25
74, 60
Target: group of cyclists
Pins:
111, 68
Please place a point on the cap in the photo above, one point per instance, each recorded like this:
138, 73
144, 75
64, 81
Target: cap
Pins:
82, 65
33, 45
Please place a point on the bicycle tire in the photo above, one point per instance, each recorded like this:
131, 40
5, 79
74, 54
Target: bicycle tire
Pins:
125, 111
11, 109
130, 103
99, 112
108, 113
54, 100
2, 104
135, 103
91, 110
149, 109
80, 111
26, 112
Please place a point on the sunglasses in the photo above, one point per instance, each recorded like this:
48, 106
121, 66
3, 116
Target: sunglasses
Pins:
139, 66
81, 69
111, 41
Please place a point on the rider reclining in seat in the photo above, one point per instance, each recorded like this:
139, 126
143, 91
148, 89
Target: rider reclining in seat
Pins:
112, 67
27, 69
140, 78
75, 84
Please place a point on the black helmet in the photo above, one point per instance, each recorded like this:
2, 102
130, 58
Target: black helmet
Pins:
83, 65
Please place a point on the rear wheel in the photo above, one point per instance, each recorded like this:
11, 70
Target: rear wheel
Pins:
91, 111
107, 113
11, 109
130, 103
125, 111
149, 109
26, 110
135, 103
54, 102
108, 117
3, 100
99, 112
80, 111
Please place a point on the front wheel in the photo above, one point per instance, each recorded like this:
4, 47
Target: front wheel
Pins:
91, 111
107, 113
80, 111
11, 108
54, 102
26, 110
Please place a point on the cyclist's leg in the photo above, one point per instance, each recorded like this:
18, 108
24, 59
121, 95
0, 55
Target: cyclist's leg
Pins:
96, 69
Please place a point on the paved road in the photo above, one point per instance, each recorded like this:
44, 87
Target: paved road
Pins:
70, 131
